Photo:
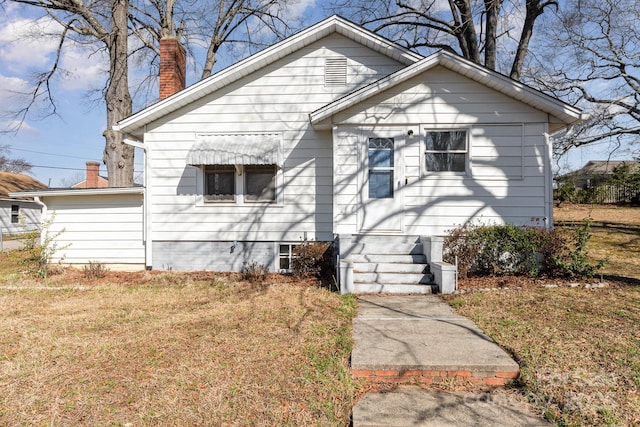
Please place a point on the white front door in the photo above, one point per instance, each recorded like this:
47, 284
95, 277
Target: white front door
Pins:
381, 207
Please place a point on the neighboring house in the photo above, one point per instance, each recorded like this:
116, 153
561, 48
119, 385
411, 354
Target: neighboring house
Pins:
334, 134
18, 215
93, 178
596, 172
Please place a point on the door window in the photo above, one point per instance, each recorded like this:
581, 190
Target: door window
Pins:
381, 165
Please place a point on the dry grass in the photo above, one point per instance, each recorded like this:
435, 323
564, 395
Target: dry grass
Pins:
172, 349
615, 235
578, 349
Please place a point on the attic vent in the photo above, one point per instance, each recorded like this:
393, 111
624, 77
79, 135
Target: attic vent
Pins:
335, 72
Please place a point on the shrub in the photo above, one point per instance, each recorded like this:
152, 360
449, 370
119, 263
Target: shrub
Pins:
313, 259
509, 249
40, 246
254, 273
95, 270
568, 255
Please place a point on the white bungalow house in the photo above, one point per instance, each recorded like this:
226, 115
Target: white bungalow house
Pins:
334, 134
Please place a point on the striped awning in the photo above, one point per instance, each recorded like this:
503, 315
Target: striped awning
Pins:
236, 149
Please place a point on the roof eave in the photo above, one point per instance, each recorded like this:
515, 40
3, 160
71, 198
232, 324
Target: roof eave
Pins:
77, 192
565, 113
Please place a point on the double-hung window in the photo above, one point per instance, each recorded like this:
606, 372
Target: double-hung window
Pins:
15, 214
446, 150
240, 183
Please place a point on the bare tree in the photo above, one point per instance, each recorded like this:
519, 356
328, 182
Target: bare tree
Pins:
471, 28
103, 24
593, 59
107, 24
9, 164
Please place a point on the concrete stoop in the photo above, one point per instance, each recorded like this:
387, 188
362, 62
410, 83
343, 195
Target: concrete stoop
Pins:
390, 264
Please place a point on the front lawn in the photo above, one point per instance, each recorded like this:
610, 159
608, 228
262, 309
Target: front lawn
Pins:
171, 349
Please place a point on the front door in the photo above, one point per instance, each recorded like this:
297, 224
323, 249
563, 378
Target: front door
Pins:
381, 199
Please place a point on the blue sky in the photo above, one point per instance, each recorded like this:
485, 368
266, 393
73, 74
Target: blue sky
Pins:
58, 146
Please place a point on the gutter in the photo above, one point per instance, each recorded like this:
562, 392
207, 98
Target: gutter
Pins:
146, 212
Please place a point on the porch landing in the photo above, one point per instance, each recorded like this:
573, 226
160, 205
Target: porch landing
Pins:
419, 339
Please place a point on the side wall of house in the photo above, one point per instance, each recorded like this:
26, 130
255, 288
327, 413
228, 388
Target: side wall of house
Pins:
276, 99
102, 228
507, 177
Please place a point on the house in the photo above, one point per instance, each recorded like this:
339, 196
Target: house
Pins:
596, 172
18, 215
334, 134
92, 178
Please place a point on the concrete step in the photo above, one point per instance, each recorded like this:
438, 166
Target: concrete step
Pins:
395, 288
387, 248
392, 278
390, 267
393, 258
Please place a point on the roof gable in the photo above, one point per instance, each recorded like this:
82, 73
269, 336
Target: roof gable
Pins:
559, 111
334, 24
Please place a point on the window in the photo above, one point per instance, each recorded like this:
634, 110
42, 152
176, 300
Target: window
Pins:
380, 153
260, 183
15, 214
287, 253
220, 183
446, 151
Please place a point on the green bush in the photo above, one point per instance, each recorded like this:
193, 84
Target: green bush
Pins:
492, 250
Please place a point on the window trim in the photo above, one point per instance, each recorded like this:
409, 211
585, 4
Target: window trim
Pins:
15, 214
289, 255
445, 128
239, 199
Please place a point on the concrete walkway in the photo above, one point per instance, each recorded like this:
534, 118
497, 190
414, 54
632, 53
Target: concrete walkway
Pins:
420, 340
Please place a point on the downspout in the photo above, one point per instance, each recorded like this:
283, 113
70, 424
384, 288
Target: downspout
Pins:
43, 216
548, 182
146, 212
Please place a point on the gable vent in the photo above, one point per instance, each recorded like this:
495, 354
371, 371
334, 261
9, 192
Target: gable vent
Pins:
335, 72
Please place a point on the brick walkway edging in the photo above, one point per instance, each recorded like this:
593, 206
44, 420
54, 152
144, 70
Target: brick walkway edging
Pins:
435, 377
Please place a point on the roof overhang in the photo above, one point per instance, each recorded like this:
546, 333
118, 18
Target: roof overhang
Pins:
134, 125
58, 192
236, 149
561, 114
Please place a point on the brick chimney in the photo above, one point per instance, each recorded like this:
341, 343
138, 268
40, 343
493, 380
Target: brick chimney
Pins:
172, 67
93, 169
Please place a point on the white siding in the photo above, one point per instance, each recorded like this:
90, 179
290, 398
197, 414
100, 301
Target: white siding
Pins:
278, 99
505, 180
28, 219
102, 228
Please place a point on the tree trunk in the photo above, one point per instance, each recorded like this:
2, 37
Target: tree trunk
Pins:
117, 155
468, 29
535, 8
492, 8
